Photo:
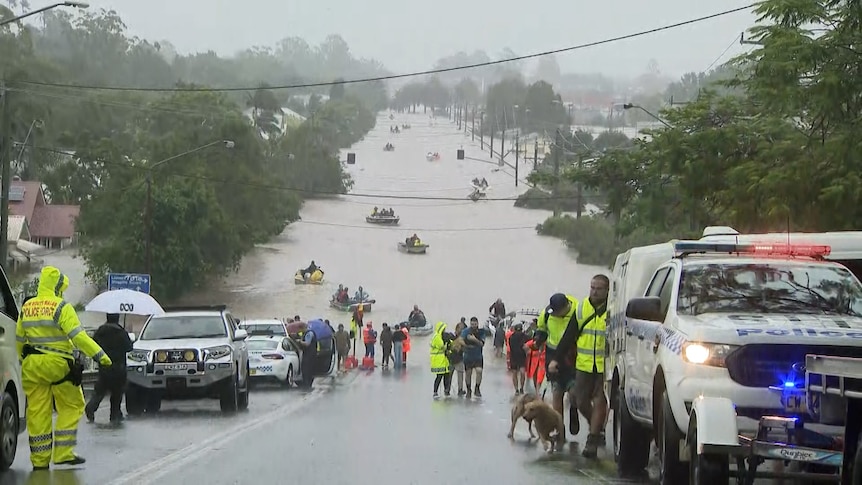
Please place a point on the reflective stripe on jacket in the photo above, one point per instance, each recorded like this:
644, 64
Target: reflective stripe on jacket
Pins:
49, 324
592, 340
439, 359
554, 326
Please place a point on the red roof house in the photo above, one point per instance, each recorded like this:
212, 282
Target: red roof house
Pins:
52, 226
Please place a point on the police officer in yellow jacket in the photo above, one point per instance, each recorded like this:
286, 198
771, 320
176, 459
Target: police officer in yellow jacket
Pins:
48, 331
589, 339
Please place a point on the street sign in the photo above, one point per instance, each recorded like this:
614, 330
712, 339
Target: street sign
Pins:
129, 281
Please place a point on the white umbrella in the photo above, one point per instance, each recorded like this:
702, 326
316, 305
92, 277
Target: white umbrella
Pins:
125, 301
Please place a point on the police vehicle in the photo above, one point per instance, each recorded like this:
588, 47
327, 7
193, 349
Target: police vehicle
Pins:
188, 353
724, 317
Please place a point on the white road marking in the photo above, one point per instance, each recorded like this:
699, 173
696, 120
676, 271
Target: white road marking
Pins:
163, 466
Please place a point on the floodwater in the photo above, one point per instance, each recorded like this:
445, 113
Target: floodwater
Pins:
479, 251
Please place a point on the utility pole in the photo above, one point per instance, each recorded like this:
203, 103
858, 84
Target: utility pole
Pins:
473, 122
580, 186
517, 162
458, 117
536, 154
482, 134
558, 147
502, 148
148, 221
5, 173
465, 117
491, 143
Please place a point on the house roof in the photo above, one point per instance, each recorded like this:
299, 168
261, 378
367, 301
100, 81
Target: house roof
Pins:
32, 194
54, 221
17, 228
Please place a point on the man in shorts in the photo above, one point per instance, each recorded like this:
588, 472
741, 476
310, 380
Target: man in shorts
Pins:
552, 323
474, 339
518, 357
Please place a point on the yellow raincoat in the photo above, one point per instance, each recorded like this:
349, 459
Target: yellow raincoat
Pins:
439, 359
48, 330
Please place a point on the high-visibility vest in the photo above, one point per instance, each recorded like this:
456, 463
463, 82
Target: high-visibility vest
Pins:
554, 326
592, 340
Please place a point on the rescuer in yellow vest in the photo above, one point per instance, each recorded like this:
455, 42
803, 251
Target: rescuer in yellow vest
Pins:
589, 338
48, 331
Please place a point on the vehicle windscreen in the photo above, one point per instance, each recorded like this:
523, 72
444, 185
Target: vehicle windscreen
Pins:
262, 344
177, 327
772, 287
264, 328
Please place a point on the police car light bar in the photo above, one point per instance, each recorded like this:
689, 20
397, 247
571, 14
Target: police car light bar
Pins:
767, 249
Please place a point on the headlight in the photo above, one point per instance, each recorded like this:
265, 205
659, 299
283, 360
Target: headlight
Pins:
189, 356
707, 354
138, 355
219, 352
161, 356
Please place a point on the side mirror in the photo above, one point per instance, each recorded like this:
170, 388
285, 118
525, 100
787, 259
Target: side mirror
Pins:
240, 334
132, 336
647, 308
236, 320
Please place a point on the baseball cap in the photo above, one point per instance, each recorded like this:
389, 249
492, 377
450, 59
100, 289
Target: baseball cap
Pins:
557, 304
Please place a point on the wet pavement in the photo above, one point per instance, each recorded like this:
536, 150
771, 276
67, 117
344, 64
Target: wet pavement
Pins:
374, 427
385, 422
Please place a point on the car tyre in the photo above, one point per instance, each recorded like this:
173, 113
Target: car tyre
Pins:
229, 399
242, 396
134, 400
671, 470
8, 431
288, 380
705, 469
152, 402
631, 440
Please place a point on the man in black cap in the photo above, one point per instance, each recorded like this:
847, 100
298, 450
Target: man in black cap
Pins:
115, 341
553, 321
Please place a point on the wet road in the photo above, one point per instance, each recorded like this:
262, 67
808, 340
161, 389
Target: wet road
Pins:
386, 423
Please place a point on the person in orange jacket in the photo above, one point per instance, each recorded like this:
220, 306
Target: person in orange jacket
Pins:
405, 346
535, 364
369, 338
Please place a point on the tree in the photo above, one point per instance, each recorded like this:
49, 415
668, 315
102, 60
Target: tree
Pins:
466, 91
548, 70
336, 91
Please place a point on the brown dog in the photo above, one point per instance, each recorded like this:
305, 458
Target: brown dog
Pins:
546, 420
518, 412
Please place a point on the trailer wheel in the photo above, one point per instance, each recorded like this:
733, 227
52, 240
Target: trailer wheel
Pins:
671, 471
705, 469
631, 440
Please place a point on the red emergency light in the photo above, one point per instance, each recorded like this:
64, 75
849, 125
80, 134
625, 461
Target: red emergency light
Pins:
802, 250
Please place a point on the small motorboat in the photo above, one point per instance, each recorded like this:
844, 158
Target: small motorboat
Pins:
478, 184
383, 220
477, 194
389, 147
405, 127
432, 157
315, 278
420, 248
351, 305
419, 328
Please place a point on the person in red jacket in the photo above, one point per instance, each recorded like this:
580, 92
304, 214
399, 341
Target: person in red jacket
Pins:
535, 364
369, 337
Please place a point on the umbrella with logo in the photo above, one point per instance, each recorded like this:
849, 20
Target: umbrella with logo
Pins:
128, 302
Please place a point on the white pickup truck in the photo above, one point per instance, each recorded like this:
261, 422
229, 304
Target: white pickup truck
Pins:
702, 333
13, 403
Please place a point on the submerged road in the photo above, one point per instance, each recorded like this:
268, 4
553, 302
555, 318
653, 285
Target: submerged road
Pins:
381, 427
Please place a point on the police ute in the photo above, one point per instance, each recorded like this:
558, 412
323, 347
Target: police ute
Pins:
707, 353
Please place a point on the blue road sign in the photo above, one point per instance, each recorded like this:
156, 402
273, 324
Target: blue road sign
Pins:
129, 281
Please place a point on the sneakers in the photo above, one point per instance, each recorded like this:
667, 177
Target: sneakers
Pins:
76, 460
40, 468
436, 394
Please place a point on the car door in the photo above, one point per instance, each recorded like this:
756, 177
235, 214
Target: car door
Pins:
650, 349
291, 349
639, 337
240, 347
10, 368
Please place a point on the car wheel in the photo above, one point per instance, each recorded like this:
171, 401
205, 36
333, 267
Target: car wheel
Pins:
671, 471
242, 396
631, 440
706, 469
8, 431
134, 400
288, 380
229, 399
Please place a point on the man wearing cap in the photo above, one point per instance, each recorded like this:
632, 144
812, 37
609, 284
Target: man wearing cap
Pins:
552, 323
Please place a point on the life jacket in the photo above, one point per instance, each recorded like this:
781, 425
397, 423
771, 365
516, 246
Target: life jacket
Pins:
369, 335
406, 345
508, 347
536, 364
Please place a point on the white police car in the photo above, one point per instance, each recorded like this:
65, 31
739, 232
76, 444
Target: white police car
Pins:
274, 358
703, 318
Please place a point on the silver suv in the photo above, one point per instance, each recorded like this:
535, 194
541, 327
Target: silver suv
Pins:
188, 353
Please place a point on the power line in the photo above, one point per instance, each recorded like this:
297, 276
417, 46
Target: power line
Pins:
417, 229
410, 74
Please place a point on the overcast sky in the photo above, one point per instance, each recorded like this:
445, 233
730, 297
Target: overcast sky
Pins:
410, 35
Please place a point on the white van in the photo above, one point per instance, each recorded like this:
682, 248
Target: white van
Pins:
14, 403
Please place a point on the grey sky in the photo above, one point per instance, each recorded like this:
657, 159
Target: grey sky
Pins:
410, 35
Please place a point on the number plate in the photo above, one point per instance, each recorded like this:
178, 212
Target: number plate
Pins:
795, 402
176, 366
252, 371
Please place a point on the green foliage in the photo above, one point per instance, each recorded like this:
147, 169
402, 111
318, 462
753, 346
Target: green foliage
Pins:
210, 205
777, 147
23, 288
535, 198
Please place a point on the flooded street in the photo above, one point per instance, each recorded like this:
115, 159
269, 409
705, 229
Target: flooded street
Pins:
478, 251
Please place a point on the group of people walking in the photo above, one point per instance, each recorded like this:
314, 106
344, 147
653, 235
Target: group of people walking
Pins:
458, 353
